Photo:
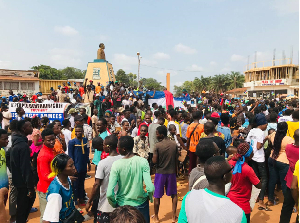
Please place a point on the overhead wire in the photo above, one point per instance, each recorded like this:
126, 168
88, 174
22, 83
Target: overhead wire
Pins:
169, 69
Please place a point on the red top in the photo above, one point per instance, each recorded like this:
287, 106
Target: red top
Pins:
241, 187
44, 159
292, 153
81, 91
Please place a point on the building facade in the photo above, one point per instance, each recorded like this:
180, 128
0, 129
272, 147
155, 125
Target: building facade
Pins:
19, 81
272, 79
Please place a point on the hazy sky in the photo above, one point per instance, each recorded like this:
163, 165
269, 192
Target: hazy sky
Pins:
186, 38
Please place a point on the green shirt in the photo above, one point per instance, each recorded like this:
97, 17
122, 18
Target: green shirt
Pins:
129, 174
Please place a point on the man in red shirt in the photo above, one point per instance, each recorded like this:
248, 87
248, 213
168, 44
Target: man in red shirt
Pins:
81, 90
44, 159
243, 178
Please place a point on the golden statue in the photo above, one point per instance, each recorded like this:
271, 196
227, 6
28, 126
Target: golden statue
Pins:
100, 52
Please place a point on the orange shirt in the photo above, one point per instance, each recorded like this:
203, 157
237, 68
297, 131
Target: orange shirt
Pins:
58, 148
98, 89
194, 139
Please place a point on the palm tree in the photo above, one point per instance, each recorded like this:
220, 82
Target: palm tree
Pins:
238, 80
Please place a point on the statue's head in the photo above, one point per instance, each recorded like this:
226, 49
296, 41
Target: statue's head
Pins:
102, 46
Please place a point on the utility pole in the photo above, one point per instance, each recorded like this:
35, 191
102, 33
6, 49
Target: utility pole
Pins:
139, 61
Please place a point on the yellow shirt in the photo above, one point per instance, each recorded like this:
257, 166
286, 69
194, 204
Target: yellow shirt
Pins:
221, 135
292, 127
166, 123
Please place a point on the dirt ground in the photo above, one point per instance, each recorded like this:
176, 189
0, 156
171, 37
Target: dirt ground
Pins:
257, 216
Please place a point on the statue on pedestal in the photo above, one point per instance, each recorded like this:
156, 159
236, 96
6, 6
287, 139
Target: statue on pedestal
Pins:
100, 52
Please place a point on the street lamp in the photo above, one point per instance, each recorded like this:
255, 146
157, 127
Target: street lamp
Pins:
139, 60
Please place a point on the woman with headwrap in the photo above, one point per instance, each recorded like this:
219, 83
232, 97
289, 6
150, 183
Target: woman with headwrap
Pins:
278, 162
243, 178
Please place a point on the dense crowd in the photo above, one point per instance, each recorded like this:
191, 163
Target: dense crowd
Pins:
234, 152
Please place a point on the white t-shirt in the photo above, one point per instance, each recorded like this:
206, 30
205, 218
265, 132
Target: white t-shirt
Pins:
126, 102
67, 133
5, 122
285, 119
72, 121
257, 135
102, 173
177, 127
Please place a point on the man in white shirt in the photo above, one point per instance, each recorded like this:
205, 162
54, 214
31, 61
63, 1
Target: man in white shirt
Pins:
287, 116
126, 101
256, 138
66, 131
6, 118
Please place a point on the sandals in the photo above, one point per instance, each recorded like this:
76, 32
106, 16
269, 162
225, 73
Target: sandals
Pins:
264, 208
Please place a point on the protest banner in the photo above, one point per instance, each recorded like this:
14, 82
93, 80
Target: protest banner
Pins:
54, 111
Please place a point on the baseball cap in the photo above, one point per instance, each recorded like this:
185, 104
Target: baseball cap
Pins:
215, 115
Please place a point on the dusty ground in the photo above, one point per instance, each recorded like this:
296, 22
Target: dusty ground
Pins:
165, 206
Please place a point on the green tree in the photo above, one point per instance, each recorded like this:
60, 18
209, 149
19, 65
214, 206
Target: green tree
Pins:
72, 73
132, 79
238, 80
122, 77
150, 83
47, 72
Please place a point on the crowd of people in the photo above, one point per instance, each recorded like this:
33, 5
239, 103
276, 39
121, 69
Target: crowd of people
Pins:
233, 152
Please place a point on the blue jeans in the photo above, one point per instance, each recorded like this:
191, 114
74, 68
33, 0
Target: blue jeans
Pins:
277, 170
144, 209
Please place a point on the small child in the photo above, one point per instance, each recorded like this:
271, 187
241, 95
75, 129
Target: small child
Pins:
231, 151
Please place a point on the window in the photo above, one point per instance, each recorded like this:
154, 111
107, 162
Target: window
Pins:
23, 86
15, 85
7, 86
31, 86
96, 73
1, 85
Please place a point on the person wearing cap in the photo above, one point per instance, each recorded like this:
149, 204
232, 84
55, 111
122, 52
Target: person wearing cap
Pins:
256, 138
73, 113
88, 96
92, 85
66, 88
61, 97
98, 105
58, 91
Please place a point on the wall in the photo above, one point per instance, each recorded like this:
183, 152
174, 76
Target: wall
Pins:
104, 74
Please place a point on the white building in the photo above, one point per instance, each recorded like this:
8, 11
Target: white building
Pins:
270, 79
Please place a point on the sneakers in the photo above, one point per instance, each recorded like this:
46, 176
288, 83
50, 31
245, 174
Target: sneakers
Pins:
88, 176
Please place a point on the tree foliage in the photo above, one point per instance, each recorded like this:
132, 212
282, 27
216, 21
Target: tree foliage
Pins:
151, 83
50, 73
130, 80
218, 83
